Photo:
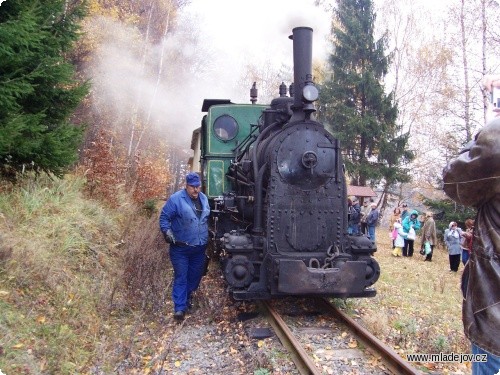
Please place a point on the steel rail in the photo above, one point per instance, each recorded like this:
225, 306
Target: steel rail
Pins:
395, 363
299, 356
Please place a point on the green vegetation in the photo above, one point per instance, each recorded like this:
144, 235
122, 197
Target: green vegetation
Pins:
441, 345
77, 279
38, 90
353, 102
261, 371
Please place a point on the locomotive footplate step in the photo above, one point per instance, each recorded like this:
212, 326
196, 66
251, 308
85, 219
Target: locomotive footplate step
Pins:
260, 333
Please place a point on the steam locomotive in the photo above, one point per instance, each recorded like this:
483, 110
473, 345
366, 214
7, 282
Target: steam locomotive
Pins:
275, 181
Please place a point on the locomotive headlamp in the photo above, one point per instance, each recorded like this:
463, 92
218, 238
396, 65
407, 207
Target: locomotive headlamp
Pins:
310, 93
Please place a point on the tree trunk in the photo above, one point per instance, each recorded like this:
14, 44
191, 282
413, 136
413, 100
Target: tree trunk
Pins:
158, 79
483, 55
133, 119
467, 122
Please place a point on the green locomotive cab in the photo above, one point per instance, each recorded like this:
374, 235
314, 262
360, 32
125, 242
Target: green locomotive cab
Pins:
225, 130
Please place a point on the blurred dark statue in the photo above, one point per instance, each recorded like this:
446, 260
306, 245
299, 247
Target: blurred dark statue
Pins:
473, 179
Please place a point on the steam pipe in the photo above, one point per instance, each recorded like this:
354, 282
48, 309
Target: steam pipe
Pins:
257, 207
257, 226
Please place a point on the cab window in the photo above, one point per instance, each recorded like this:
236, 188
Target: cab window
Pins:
225, 127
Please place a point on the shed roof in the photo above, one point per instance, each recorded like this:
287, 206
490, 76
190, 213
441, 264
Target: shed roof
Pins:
360, 191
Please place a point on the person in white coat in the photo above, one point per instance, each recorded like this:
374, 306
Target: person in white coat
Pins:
399, 242
452, 238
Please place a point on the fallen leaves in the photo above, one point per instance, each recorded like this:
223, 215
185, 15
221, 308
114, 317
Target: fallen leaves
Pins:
353, 343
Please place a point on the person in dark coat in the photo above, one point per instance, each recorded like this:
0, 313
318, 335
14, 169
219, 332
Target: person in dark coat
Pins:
372, 220
467, 240
473, 179
429, 234
365, 210
404, 211
354, 216
184, 224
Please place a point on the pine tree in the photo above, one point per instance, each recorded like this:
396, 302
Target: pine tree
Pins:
38, 89
353, 103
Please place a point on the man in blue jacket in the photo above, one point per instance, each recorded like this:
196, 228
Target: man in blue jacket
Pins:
184, 224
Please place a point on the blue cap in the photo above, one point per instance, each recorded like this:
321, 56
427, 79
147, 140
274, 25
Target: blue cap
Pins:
193, 179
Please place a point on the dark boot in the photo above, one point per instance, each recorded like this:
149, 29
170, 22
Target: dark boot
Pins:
179, 315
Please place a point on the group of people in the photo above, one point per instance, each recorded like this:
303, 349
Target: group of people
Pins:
403, 227
362, 219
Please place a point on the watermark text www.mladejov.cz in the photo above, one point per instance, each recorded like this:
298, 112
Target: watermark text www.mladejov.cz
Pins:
447, 357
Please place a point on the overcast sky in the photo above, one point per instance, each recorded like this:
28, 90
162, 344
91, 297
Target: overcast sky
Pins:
239, 27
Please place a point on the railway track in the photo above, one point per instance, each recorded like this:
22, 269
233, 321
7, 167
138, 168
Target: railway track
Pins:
343, 344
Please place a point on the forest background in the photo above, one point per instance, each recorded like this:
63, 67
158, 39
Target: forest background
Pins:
117, 99
145, 62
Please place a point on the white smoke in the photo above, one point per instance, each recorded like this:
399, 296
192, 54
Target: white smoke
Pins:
205, 57
241, 32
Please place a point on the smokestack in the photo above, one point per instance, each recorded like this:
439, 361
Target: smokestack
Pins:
302, 66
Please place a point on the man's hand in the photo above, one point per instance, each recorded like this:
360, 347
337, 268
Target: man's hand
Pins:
169, 236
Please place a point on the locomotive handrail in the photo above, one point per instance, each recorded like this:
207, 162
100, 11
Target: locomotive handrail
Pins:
239, 181
254, 128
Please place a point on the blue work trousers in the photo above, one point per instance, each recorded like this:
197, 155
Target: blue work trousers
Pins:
188, 263
353, 229
492, 366
465, 256
371, 232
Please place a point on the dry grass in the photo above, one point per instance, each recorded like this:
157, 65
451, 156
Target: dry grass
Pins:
79, 282
418, 308
146, 267
58, 268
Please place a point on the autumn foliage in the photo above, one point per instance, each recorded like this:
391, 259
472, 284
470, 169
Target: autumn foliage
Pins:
102, 169
109, 174
151, 178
